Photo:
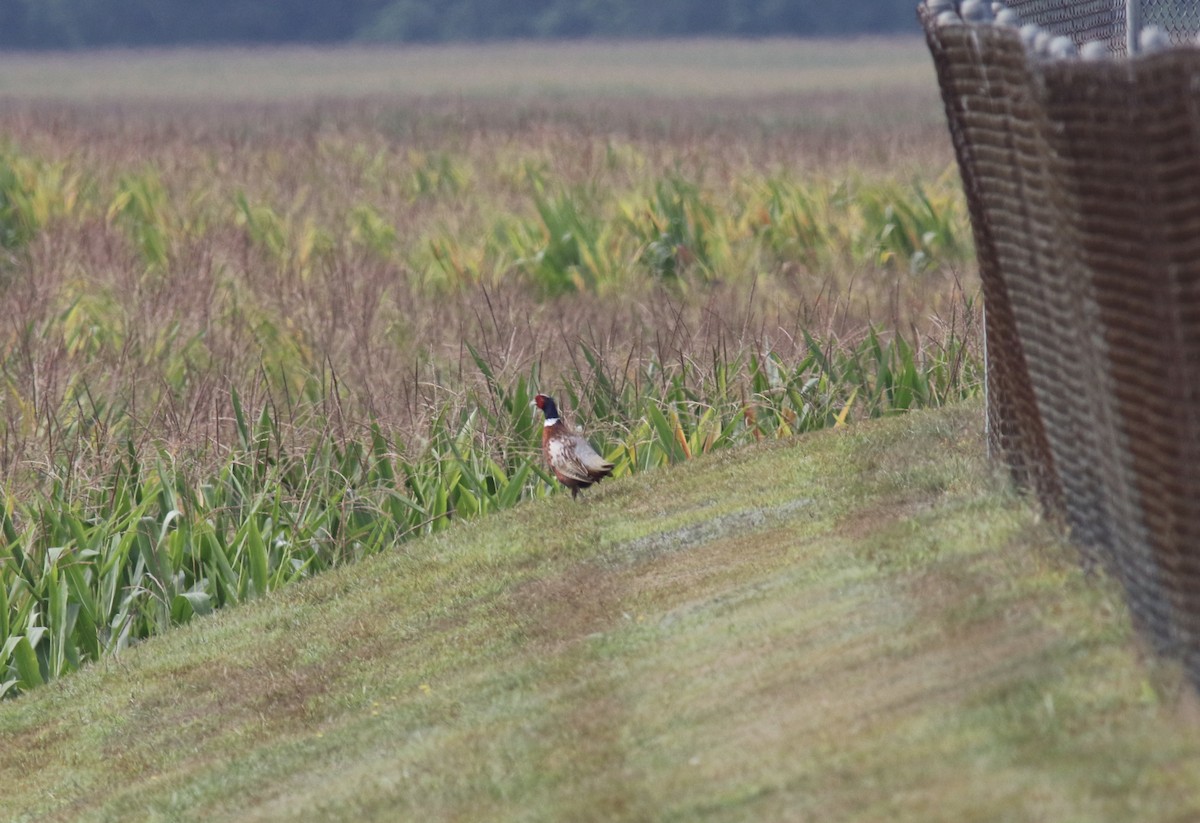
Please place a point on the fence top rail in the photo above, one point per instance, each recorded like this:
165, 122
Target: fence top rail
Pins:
1079, 29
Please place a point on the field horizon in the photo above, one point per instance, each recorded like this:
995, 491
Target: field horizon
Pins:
651, 68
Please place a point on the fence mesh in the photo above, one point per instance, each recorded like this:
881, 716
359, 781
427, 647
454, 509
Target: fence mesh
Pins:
1083, 183
1085, 21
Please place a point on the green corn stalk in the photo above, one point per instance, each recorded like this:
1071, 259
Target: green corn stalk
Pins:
142, 205
147, 548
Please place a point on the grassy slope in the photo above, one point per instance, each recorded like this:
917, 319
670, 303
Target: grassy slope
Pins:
857, 625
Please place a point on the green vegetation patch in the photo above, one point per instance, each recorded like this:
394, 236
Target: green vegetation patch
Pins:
859, 624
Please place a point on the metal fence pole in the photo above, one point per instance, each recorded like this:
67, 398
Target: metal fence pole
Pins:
1133, 25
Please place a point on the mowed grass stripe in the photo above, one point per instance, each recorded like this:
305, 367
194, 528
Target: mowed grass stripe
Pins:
859, 624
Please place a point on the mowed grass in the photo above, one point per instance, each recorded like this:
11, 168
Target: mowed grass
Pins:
685, 68
858, 624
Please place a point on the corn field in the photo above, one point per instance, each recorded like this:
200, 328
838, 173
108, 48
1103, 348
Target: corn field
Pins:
234, 358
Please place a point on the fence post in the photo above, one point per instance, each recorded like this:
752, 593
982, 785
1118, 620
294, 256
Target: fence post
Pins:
1133, 25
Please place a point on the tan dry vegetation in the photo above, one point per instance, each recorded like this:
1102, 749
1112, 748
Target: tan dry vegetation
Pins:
684, 68
376, 238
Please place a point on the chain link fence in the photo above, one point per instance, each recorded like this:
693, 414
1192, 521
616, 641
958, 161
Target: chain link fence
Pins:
1082, 175
1106, 21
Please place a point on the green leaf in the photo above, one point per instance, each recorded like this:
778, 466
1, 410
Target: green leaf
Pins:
186, 605
510, 493
26, 661
259, 571
60, 627
9, 530
4, 617
220, 571
240, 418
87, 618
383, 457
665, 432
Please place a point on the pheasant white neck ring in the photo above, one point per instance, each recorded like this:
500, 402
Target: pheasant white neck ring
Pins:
550, 421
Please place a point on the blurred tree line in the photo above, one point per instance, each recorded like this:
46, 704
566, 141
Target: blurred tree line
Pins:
83, 23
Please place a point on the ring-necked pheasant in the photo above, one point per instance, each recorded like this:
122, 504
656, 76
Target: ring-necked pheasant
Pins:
572, 459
